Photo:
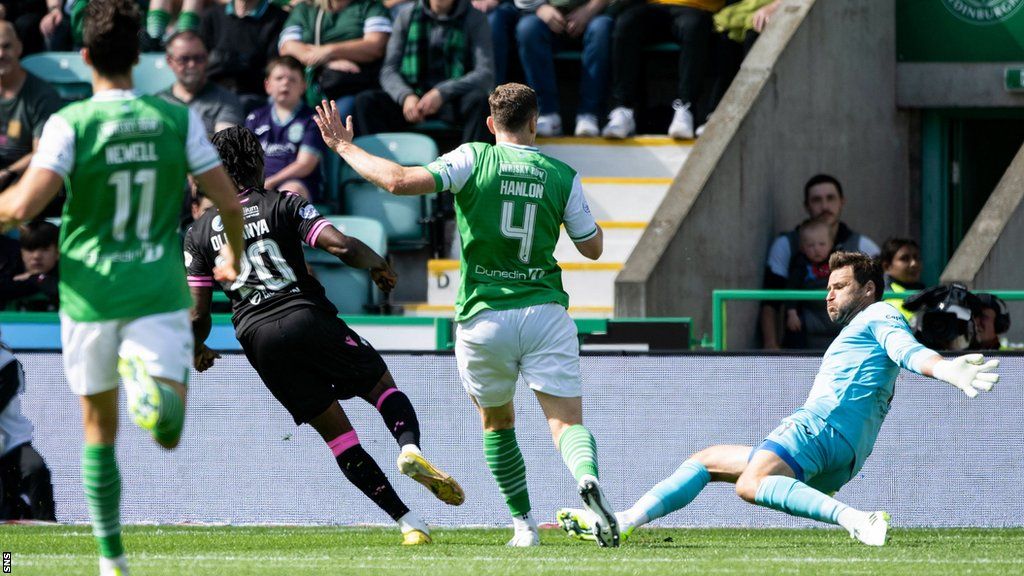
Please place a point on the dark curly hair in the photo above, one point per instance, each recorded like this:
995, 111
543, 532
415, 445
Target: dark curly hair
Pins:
865, 269
512, 106
110, 32
242, 155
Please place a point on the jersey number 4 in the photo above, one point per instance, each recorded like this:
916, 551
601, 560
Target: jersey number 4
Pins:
122, 181
523, 233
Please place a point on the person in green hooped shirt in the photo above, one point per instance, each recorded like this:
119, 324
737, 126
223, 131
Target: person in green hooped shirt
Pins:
510, 201
124, 298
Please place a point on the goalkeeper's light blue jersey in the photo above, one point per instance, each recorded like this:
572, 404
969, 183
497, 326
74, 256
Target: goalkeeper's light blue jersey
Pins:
857, 378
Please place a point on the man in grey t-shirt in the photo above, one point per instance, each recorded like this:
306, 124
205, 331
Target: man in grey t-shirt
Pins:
217, 107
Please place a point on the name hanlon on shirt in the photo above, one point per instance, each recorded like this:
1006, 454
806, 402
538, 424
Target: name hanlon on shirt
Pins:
524, 189
131, 152
250, 230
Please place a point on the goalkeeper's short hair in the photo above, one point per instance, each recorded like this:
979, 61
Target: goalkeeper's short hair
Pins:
242, 155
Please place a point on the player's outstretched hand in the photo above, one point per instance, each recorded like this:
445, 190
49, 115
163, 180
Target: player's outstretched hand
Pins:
384, 277
334, 133
969, 373
204, 358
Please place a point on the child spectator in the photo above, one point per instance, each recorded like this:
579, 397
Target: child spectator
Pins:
290, 139
807, 322
901, 263
35, 289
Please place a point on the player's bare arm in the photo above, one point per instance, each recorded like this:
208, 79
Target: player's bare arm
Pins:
219, 189
29, 196
592, 247
203, 357
396, 179
356, 254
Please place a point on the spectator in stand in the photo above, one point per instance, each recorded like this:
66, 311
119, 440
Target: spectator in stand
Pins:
26, 102
26, 16
687, 22
291, 141
553, 24
991, 323
159, 15
808, 325
26, 491
35, 289
438, 65
901, 263
55, 26
743, 21
242, 37
218, 107
502, 17
823, 197
343, 41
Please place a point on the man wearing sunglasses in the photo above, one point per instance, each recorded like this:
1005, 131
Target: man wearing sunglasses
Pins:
218, 107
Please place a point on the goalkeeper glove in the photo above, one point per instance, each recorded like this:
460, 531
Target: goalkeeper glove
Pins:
969, 373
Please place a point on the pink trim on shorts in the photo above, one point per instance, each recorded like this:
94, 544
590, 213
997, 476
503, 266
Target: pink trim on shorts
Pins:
201, 283
314, 233
343, 442
388, 392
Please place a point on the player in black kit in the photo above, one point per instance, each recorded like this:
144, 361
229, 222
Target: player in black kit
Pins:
281, 313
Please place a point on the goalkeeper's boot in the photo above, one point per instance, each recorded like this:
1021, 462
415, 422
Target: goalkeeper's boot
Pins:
114, 566
577, 522
604, 526
143, 392
414, 530
415, 466
872, 529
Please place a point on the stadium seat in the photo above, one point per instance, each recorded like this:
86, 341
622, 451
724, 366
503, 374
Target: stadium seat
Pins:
351, 290
404, 217
73, 79
64, 70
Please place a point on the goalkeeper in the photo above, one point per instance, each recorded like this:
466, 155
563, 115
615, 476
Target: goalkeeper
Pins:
824, 444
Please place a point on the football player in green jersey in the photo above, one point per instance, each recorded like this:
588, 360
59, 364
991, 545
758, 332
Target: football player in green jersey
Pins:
124, 299
510, 201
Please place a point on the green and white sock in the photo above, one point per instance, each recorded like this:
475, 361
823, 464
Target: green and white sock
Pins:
508, 468
156, 23
579, 451
172, 415
102, 482
187, 21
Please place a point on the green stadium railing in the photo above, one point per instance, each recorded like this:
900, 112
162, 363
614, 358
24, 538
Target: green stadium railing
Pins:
719, 298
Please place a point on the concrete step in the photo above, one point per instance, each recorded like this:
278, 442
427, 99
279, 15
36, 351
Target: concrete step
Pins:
625, 198
647, 156
448, 310
588, 284
619, 240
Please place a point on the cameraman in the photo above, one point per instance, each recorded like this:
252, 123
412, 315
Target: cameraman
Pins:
944, 316
991, 323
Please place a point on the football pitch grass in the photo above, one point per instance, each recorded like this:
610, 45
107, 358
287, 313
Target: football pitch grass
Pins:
296, 551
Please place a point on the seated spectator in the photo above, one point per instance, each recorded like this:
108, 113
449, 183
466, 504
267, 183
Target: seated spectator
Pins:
25, 16
290, 139
901, 263
823, 197
158, 15
687, 22
26, 102
26, 491
217, 107
55, 26
808, 325
991, 323
241, 37
35, 289
502, 17
561, 23
344, 41
438, 65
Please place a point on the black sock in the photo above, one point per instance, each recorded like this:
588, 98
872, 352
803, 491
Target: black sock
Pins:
365, 474
400, 416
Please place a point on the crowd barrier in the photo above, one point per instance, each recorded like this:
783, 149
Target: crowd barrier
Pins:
942, 459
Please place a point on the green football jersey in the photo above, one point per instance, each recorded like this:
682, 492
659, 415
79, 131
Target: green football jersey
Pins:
510, 202
124, 159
